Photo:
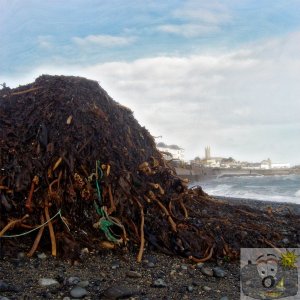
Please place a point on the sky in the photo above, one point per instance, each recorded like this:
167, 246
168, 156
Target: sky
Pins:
223, 74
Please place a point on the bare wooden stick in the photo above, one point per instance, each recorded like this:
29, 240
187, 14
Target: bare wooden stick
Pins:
28, 203
184, 208
51, 230
26, 91
11, 224
111, 200
37, 239
142, 235
172, 223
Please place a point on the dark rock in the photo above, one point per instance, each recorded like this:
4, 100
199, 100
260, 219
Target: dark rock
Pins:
206, 288
115, 265
73, 280
118, 292
219, 272
133, 274
159, 283
6, 287
199, 265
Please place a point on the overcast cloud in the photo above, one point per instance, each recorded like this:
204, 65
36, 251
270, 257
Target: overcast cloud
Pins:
238, 93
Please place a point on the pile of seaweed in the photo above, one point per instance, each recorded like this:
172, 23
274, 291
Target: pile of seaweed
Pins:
77, 170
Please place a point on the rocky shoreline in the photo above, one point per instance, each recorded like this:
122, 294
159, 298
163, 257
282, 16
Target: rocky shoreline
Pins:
115, 274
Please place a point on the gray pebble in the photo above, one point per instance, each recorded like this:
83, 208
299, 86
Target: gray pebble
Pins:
150, 264
66, 298
224, 298
4, 287
206, 288
3, 298
207, 271
219, 272
183, 267
199, 265
21, 255
83, 283
190, 288
78, 292
133, 274
159, 283
47, 281
73, 280
42, 256
285, 241
115, 265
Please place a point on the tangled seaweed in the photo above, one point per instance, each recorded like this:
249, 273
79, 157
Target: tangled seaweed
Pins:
77, 162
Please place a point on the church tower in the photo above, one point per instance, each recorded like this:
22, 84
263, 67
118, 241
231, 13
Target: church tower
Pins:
207, 153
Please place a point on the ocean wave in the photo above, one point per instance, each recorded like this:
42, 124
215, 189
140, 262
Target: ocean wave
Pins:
297, 194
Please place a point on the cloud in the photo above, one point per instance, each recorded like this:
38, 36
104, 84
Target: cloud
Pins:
45, 41
188, 30
103, 41
193, 20
242, 102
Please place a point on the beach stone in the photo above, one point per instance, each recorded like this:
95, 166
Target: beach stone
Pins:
4, 287
285, 241
219, 272
78, 292
159, 283
224, 298
118, 292
133, 274
3, 298
207, 272
21, 255
83, 283
42, 256
199, 265
47, 281
183, 267
150, 264
73, 280
190, 288
66, 298
115, 265
206, 288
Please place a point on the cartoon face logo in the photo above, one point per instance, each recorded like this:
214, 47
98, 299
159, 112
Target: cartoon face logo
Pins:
265, 276
267, 266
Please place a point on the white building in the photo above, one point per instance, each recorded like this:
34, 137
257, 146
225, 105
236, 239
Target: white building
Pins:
280, 166
267, 164
175, 151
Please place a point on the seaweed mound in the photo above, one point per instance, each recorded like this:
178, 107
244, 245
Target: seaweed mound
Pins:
75, 161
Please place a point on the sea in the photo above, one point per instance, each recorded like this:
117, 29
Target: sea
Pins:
277, 188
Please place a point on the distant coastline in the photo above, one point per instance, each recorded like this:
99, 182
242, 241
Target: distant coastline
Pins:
205, 173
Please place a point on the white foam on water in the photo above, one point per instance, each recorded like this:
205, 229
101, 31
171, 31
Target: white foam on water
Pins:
278, 188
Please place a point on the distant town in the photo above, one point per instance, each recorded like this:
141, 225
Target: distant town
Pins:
175, 154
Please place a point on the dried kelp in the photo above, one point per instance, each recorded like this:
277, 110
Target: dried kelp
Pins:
76, 162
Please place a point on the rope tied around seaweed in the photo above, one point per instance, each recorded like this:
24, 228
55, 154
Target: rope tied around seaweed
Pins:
105, 221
